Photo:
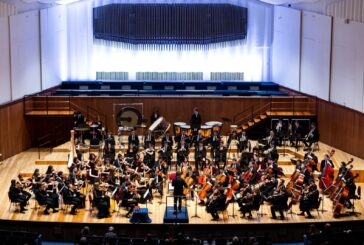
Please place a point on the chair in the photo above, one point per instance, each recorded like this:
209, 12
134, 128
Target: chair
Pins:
13, 203
317, 206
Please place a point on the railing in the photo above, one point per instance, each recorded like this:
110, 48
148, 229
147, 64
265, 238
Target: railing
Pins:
293, 105
45, 140
49, 105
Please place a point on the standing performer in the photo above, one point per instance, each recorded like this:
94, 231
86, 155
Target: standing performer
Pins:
178, 184
133, 139
195, 121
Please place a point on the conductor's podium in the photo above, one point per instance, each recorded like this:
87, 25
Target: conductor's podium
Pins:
170, 216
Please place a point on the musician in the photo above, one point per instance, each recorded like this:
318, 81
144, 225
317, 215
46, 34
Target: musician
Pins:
183, 136
101, 201
167, 138
217, 202
232, 136
130, 198
272, 152
165, 153
131, 153
45, 198
235, 167
109, 151
17, 194
133, 139
79, 119
149, 156
182, 152
200, 155
220, 154
312, 136
326, 161
195, 121
309, 199
119, 162
279, 201
149, 140
271, 139
243, 141
110, 139
71, 197
279, 131
178, 185
214, 142
197, 139
296, 134
154, 116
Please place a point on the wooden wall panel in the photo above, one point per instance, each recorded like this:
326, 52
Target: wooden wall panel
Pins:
174, 109
341, 127
15, 132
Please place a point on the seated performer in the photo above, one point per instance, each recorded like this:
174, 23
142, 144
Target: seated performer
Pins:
296, 134
149, 140
71, 197
182, 152
101, 201
133, 139
279, 201
220, 155
312, 136
309, 199
130, 198
17, 195
200, 155
167, 138
214, 142
217, 202
45, 198
243, 142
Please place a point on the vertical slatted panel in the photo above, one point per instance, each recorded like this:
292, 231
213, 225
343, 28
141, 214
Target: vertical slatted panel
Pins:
347, 9
7, 9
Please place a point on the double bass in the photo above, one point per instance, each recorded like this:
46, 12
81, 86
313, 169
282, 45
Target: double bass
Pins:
326, 178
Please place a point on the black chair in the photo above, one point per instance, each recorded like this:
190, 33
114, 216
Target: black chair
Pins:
13, 202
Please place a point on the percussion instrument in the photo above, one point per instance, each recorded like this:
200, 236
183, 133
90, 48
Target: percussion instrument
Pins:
129, 116
159, 127
206, 131
94, 126
216, 126
186, 128
177, 127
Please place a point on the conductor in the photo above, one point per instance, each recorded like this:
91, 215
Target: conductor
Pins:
178, 184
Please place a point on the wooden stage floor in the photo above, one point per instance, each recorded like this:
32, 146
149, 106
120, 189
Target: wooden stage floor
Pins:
27, 161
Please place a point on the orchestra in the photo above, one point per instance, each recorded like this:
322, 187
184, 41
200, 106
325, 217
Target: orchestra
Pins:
218, 180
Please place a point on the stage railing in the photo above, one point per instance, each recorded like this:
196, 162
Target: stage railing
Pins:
292, 105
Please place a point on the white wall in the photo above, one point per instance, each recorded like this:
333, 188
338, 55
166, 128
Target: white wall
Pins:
53, 46
348, 64
5, 92
286, 47
25, 54
315, 55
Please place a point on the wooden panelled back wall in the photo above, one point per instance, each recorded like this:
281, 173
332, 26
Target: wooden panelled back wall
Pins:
341, 127
174, 109
15, 133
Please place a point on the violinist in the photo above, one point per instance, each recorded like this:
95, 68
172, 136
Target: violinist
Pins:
131, 153
309, 199
149, 140
24, 185
101, 201
16, 194
130, 198
149, 156
217, 202
119, 162
279, 201
71, 197
45, 198
133, 139
165, 153
200, 155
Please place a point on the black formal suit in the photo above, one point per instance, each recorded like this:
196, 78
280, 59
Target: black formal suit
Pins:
167, 139
178, 185
149, 140
195, 122
133, 139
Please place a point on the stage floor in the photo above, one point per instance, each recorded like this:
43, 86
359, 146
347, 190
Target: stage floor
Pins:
27, 161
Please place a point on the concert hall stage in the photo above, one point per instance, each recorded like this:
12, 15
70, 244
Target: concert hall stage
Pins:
27, 161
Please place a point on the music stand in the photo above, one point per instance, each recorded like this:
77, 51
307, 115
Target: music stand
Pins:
146, 201
322, 210
196, 200
233, 215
